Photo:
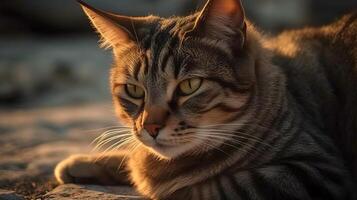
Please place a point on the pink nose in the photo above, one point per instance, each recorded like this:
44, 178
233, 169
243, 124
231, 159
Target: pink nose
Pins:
152, 129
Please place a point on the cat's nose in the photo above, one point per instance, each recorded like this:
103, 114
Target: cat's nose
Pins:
152, 129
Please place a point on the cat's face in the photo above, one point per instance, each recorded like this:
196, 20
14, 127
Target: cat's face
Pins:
183, 96
178, 82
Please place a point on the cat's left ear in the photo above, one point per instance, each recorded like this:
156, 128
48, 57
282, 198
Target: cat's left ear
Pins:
222, 20
116, 30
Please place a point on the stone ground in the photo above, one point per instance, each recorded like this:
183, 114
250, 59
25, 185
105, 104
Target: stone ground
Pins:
33, 141
54, 100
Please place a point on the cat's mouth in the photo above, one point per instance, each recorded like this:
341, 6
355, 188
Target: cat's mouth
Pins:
166, 148
158, 143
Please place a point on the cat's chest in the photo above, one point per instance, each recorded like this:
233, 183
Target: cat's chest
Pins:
150, 178
157, 178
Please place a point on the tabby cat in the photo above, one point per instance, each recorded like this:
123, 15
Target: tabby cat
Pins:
212, 109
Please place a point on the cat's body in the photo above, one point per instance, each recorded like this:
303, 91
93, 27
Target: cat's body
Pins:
320, 65
284, 128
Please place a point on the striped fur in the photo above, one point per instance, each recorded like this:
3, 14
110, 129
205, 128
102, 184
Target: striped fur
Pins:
275, 118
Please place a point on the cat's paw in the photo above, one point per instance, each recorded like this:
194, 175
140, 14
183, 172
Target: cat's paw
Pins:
81, 169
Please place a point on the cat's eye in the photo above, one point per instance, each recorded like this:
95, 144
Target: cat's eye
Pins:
134, 91
190, 86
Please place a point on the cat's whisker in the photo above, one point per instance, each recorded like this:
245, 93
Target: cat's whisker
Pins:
114, 130
250, 123
231, 145
136, 146
230, 142
231, 135
122, 143
211, 146
98, 147
233, 131
234, 134
104, 128
228, 138
113, 133
108, 134
213, 125
118, 144
108, 139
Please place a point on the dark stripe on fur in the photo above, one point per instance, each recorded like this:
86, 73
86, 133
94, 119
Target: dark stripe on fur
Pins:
136, 70
241, 190
314, 184
221, 192
170, 45
159, 39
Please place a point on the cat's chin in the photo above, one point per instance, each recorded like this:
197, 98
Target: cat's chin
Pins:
170, 152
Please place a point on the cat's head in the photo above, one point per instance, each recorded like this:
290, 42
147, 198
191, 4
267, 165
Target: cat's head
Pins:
179, 81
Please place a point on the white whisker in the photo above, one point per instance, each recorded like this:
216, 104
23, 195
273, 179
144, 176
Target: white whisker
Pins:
210, 139
230, 134
107, 140
107, 134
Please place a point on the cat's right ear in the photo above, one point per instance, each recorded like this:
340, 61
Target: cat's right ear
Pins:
222, 20
117, 31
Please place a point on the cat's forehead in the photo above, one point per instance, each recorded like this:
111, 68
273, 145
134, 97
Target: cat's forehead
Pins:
163, 56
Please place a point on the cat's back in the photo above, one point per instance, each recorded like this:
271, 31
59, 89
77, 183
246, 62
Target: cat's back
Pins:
332, 38
321, 69
343, 35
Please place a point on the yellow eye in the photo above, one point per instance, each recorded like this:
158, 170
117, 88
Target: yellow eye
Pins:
134, 91
190, 86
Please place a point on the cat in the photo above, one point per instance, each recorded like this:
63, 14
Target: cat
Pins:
213, 109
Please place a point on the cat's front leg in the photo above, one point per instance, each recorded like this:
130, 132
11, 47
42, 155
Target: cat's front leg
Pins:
109, 169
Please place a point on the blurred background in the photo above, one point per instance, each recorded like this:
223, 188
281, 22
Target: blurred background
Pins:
49, 54
54, 96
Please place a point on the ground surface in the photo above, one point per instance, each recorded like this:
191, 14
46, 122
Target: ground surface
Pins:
33, 141
54, 100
